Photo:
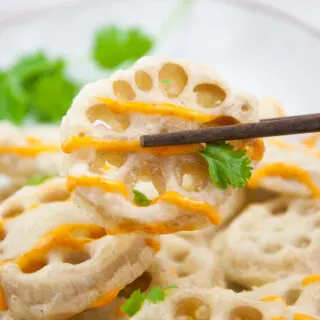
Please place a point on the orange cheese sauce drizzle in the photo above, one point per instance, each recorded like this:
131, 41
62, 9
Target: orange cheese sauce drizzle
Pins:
97, 182
106, 299
150, 228
254, 148
32, 149
169, 196
286, 171
311, 141
3, 301
153, 243
300, 316
59, 237
163, 109
280, 143
64, 237
273, 298
311, 279
75, 143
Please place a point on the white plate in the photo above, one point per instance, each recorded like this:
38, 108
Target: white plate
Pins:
258, 50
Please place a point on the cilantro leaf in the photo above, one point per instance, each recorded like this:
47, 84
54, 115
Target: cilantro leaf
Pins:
13, 99
32, 66
35, 86
227, 166
134, 303
168, 288
140, 199
36, 180
166, 81
114, 46
51, 97
158, 294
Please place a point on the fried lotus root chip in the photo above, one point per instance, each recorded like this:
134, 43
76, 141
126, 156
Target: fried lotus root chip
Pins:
105, 163
270, 241
301, 293
66, 262
195, 264
28, 152
209, 304
158, 274
288, 168
34, 210
72, 269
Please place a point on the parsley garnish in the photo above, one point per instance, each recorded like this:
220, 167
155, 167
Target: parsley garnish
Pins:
158, 294
227, 166
140, 199
35, 180
166, 81
35, 87
134, 303
114, 45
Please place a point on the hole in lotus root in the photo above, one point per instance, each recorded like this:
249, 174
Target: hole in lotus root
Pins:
303, 242
142, 283
13, 210
147, 171
100, 115
143, 80
272, 248
192, 175
177, 251
54, 195
75, 256
181, 255
246, 313
187, 268
292, 296
209, 95
223, 121
172, 79
280, 209
235, 286
123, 90
106, 160
192, 308
245, 108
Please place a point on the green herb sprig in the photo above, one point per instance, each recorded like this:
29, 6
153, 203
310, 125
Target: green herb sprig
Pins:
134, 303
227, 166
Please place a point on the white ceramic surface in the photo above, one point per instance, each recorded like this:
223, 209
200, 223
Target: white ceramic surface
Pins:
257, 50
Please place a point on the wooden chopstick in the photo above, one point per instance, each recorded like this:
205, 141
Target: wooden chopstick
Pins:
265, 128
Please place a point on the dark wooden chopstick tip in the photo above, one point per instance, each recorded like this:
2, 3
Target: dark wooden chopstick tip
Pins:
266, 128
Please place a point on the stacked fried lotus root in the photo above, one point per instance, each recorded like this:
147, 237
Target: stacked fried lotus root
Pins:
105, 162
149, 229
26, 153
